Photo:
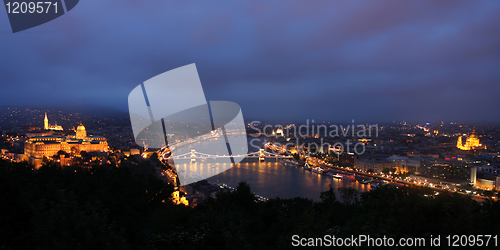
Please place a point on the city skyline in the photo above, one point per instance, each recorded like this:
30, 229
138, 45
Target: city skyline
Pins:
110, 112
419, 62
459, 154
249, 124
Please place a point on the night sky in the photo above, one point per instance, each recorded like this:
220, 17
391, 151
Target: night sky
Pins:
372, 61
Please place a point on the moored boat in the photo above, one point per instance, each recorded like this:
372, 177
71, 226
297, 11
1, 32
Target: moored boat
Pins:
318, 170
307, 167
337, 176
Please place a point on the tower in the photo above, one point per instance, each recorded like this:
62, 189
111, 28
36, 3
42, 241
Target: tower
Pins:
46, 122
460, 144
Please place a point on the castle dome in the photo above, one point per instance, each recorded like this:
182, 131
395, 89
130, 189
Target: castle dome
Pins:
80, 132
80, 128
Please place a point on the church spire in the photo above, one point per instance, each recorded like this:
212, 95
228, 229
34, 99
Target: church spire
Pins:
46, 122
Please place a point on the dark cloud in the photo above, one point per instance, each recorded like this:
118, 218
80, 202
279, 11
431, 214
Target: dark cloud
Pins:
288, 60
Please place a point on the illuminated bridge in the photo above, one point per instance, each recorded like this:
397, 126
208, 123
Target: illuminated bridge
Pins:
193, 155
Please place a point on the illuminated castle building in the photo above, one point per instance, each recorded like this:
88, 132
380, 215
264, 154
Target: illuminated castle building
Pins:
46, 125
36, 148
471, 143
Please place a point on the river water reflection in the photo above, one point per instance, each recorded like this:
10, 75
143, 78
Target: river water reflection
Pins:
269, 179
273, 179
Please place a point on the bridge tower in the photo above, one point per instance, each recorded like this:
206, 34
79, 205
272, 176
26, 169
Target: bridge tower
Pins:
261, 155
193, 156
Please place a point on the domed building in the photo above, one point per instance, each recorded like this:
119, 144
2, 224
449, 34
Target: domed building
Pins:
36, 148
471, 142
81, 133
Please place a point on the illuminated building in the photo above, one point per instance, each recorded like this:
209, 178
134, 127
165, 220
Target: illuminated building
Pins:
279, 132
448, 169
179, 200
487, 180
36, 148
372, 164
405, 164
81, 133
46, 122
46, 125
471, 143
364, 141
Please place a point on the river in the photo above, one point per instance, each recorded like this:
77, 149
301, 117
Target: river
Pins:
269, 179
274, 179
